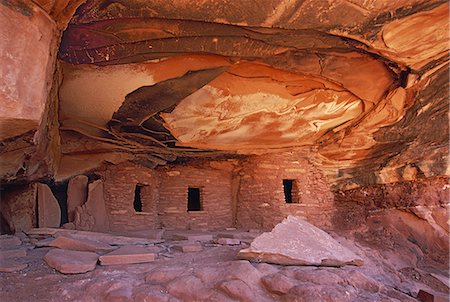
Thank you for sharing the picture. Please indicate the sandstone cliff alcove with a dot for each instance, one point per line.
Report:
(218, 116)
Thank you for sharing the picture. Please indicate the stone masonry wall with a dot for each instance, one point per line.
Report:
(119, 189)
(261, 202)
(247, 194)
(215, 188)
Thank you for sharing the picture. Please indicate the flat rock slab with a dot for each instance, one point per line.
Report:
(42, 231)
(127, 255)
(238, 235)
(44, 242)
(107, 238)
(11, 266)
(13, 253)
(9, 242)
(193, 237)
(71, 262)
(428, 296)
(148, 234)
(188, 247)
(95, 236)
(74, 244)
(297, 242)
(228, 241)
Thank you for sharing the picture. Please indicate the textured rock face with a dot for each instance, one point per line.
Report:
(49, 212)
(296, 242)
(76, 194)
(91, 215)
(18, 209)
(344, 78)
(23, 88)
(242, 77)
(27, 55)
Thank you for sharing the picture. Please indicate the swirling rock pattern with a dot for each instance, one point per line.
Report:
(351, 80)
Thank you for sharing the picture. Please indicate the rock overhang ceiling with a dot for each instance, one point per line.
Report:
(282, 87)
(171, 79)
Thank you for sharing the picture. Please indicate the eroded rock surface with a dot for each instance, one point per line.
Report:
(342, 78)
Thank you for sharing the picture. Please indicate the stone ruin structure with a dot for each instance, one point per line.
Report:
(203, 116)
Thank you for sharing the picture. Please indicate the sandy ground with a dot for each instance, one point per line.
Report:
(215, 274)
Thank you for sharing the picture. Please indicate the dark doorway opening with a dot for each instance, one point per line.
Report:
(137, 204)
(194, 203)
(59, 190)
(288, 187)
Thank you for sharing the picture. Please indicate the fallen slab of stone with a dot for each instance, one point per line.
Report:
(228, 241)
(188, 247)
(9, 242)
(127, 255)
(156, 234)
(428, 296)
(13, 253)
(68, 243)
(192, 237)
(109, 239)
(297, 242)
(44, 242)
(443, 279)
(94, 236)
(11, 266)
(42, 231)
(76, 194)
(49, 211)
(238, 235)
(71, 262)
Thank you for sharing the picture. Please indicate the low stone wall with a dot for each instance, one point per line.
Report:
(261, 200)
(215, 197)
(354, 206)
(119, 192)
(247, 193)
(18, 209)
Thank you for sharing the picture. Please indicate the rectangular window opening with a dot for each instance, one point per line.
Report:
(137, 204)
(289, 188)
(194, 203)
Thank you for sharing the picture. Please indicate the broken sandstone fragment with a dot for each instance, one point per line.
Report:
(193, 237)
(95, 206)
(49, 212)
(228, 241)
(74, 244)
(8, 242)
(76, 194)
(102, 237)
(13, 253)
(297, 242)
(11, 266)
(188, 247)
(71, 262)
(127, 255)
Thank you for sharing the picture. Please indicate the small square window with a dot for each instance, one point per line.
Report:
(290, 191)
(194, 203)
(137, 204)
